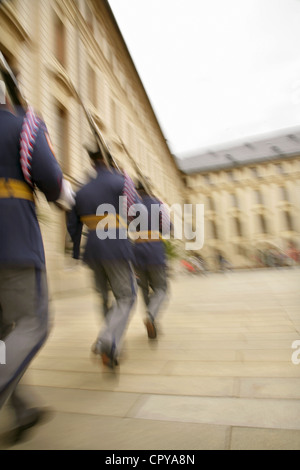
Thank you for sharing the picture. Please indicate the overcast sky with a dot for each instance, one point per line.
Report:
(215, 71)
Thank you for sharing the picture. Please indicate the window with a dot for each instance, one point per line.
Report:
(238, 227)
(283, 194)
(89, 17)
(288, 221)
(231, 176)
(92, 91)
(254, 172)
(62, 138)
(113, 109)
(210, 203)
(262, 225)
(258, 197)
(107, 51)
(213, 229)
(279, 168)
(129, 134)
(60, 40)
(234, 200)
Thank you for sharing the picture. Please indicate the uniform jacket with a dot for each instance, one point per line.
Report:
(150, 252)
(20, 237)
(106, 188)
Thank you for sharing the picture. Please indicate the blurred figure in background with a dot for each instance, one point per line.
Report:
(188, 266)
(108, 251)
(224, 264)
(150, 260)
(293, 254)
(27, 163)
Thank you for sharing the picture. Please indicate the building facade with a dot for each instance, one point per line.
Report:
(251, 195)
(61, 47)
(250, 192)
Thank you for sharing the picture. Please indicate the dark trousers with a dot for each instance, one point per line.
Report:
(119, 275)
(24, 324)
(153, 283)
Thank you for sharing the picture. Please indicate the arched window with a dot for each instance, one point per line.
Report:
(238, 227)
(213, 230)
(288, 221)
(283, 194)
(262, 224)
(258, 197)
(210, 203)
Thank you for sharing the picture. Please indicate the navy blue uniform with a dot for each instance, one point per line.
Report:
(20, 237)
(106, 188)
(150, 250)
(150, 261)
(108, 251)
(23, 285)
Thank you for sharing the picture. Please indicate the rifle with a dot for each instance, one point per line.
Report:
(107, 156)
(18, 99)
(11, 83)
(138, 170)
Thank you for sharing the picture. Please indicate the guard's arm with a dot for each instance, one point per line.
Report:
(165, 224)
(74, 226)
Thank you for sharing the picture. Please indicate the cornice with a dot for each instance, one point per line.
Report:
(210, 215)
(239, 240)
(214, 243)
(263, 238)
(234, 212)
(285, 206)
(260, 209)
(288, 233)
(60, 75)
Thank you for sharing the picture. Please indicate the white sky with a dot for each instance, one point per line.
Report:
(215, 71)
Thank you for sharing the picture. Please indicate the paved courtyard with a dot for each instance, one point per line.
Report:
(220, 376)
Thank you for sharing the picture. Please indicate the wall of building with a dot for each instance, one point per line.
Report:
(59, 45)
(248, 209)
(62, 45)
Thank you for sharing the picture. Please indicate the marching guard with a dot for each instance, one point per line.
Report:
(150, 258)
(108, 251)
(27, 164)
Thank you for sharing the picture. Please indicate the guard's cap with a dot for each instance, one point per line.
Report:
(142, 184)
(93, 150)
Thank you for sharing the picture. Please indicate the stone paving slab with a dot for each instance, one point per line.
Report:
(252, 412)
(75, 431)
(264, 439)
(286, 388)
(219, 377)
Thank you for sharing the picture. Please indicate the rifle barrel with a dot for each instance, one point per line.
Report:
(11, 84)
(139, 171)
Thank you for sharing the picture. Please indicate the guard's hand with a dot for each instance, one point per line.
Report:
(66, 198)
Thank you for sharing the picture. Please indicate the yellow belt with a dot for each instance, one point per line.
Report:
(11, 188)
(147, 236)
(115, 221)
(112, 221)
